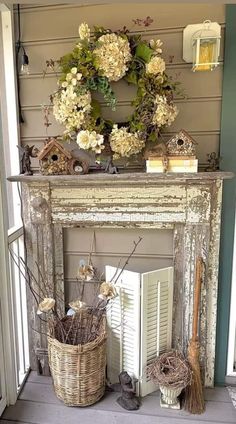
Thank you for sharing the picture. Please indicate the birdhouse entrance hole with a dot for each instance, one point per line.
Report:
(54, 158)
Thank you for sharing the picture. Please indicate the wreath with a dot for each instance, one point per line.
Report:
(94, 65)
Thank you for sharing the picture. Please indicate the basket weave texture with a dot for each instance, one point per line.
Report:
(78, 372)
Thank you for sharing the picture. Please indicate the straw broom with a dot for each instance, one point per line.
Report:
(194, 400)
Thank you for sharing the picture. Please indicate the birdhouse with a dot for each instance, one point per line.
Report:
(181, 144)
(54, 159)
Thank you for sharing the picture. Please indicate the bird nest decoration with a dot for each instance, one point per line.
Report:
(170, 370)
(96, 63)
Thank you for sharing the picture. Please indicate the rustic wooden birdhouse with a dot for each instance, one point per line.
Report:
(54, 159)
(181, 144)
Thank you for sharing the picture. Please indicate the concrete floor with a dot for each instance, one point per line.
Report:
(37, 404)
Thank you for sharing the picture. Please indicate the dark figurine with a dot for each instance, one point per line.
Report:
(110, 168)
(26, 153)
(213, 162)
(127, 400)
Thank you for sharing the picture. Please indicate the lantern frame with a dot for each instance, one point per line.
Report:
(195, 36)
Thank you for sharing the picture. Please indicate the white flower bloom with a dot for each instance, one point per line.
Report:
(74, 71)
(112, 56)
(165, 112)
(64, 84)
(90, 141)
(155, 66)
(69, 77)
(74, 81)
(84, 32)
(46, 305)
(156, 45)
(124, 143)
(79, 76)
(71, 109)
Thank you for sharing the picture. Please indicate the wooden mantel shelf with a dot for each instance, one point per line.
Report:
(134, 178)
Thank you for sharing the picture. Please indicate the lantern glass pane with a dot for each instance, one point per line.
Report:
(206, 57)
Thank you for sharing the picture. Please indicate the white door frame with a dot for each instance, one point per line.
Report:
(9, 138)
(8, 360)
(8, 337)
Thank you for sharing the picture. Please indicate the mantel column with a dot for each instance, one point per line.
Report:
(44, 256)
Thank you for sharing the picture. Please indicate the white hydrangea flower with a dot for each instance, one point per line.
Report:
(84, 32)
(125, 144)
(112, 56)
(165, 113)
(71, 109)
(90, 141)
(155, 66)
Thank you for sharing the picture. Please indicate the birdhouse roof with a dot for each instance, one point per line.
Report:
(180, 134)
(49, 146)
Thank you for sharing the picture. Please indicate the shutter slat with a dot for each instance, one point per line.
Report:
(126, 307)
(156, 320)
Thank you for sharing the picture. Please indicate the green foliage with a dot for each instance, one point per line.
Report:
(132, 77)
(102, 85)
(96, 109)
(99, 31)
(144, 52)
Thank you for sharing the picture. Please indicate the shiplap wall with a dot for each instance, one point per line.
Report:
(111, 246)
(51, 31)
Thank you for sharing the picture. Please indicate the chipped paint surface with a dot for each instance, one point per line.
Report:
(190, 206)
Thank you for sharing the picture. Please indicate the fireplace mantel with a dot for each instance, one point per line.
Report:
(190, 204)
(139, 177)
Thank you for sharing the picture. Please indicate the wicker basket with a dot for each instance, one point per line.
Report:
(78, 372)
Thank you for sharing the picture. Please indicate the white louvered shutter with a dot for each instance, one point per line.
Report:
(123, 316)
(156, 320)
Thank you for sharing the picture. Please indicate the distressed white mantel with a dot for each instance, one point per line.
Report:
(190, 204)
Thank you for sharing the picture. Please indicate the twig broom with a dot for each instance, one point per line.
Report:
(194, 400)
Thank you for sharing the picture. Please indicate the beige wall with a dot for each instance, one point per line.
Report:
(111, 246)
(49, 32)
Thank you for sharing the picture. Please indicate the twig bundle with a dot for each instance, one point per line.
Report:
(78, 329)
(84, 325)
(194, 401)
(171, 370)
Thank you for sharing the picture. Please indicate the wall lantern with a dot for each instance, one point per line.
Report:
(201, 45)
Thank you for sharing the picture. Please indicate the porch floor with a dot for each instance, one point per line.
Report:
(37, 404)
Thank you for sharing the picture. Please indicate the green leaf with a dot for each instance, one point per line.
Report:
(96, 109)
(152, 137)
(143, 52)
(131, 77)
